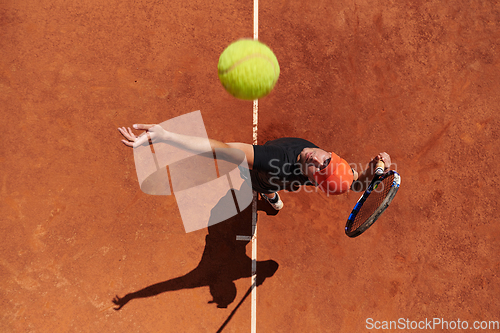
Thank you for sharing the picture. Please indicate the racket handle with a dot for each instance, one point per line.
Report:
(379, 168)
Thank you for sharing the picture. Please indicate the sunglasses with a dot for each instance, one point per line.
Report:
(325, 164)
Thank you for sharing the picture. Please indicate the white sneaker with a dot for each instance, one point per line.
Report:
(276, 205)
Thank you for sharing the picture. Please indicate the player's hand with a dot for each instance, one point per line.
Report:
(120, 302)
(385, 158)
(364, 179)
(129, 136)
(154, 132)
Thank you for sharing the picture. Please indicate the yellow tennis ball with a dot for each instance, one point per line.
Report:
(248, 69)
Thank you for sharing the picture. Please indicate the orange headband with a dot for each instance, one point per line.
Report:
(336, 178)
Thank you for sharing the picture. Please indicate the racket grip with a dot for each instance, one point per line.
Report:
(379, 168)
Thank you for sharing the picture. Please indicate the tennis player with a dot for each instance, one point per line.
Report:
(282, 164)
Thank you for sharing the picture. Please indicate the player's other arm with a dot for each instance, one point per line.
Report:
(364, 179)
(196, 145)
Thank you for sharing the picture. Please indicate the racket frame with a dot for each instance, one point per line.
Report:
(381, 208)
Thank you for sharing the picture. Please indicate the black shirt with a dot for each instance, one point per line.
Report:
(275, 165)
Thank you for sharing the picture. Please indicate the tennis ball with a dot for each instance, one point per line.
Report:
(248, 69)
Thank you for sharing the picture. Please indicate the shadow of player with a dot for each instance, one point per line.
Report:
(224, 260)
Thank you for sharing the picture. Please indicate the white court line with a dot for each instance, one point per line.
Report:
(254, 203)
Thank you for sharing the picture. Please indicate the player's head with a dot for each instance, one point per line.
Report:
(331, 173)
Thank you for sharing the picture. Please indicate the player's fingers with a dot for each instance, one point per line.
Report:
(386, 159)
(382, 156)
(155, 128)
(128, 143)
(130, 133)
(143, 126)
(129, 136)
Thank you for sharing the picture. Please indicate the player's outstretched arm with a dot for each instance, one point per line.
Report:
(367, 175)
(193, 144)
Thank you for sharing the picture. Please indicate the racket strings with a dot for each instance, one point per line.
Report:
(373, 202)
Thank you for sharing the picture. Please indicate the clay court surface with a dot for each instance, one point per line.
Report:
(420, 80)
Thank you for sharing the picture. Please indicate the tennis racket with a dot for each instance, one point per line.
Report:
(374, 201)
